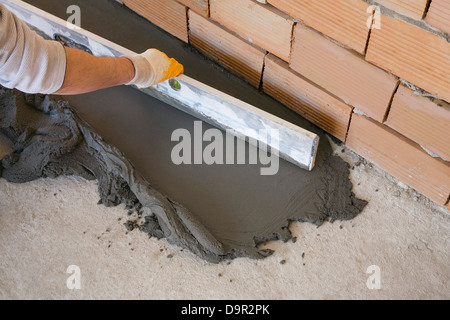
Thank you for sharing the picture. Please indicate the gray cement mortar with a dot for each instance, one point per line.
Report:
(121, 137)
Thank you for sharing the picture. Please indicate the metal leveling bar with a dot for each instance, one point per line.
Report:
(241, 119)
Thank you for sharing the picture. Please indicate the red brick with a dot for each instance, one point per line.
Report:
(418, 56)
(199, 6)
(439, 15)
(342, 72)
(342, 20)
(411, 8)
(306, 98)
(166, 14)
(227, 48)
(260, 24)
(422, 121)
(400, 157)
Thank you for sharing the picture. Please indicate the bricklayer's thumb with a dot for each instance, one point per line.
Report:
(153, 67)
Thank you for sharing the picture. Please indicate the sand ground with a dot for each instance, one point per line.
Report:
(48, 225)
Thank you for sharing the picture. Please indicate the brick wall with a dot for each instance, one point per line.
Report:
(374, 74)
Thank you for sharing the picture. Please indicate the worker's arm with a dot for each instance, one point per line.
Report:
(86, 73)
(35, 65)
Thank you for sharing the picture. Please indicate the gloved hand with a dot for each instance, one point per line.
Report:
(153, 67)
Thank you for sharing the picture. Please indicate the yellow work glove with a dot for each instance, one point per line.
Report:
(153, 67)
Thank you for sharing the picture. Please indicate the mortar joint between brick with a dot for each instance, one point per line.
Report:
(419, 91)
(292, 40)
(208, 14)
(388, 110)
(427, 8)
(188, 29)
(370, 32)
(260, 87)
(348, 126)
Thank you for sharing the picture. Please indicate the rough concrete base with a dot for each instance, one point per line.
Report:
(48, 225)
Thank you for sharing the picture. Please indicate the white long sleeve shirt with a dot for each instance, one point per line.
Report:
(28, 62)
